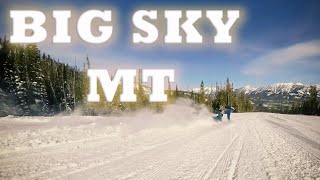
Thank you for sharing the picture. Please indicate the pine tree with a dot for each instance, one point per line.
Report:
(169, 93)
(226, 96)
(310, 105)
(142, 99)
(36, 92)
(7, 77)
(49, 79)
(38, 85)
(192, 95)
(176, 92)
(228, 92)
(201, 98)
(21, 92)
(9, 71)
(86, 66)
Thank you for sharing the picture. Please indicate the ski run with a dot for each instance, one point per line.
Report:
(183, 142)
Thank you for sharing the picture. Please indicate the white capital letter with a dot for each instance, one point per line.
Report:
(61, 18)
(20, 27)
(223, 30)
(84, 26)
(173, 31)
(173, 18)
(109, 86)
(149, 28)
(157, 76)
(193, 35)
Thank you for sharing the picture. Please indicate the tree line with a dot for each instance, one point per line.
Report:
(310, 106)
(220, 98)
(34, 83)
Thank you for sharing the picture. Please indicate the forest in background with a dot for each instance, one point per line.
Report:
(34, 83)
(222, 97)
(310, 106)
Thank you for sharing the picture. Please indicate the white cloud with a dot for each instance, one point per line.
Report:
(280, 59)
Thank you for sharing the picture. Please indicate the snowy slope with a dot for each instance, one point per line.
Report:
(182, 143)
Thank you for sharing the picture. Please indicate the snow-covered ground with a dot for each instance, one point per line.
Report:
(184, 142)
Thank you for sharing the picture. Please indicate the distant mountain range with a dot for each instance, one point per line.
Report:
(280, 94)
(293, 89)
(207, 90)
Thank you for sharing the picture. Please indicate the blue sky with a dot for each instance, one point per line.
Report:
(278, 41)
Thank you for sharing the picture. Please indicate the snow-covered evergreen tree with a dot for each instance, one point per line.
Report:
(202, 97)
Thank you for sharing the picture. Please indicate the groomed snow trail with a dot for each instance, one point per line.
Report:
(251, 146)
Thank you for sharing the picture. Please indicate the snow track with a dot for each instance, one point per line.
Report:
(251, 146)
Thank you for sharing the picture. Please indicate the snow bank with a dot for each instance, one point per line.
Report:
(20, 133)
(183, 113)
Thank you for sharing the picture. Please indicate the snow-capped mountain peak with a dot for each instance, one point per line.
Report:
(207, 90)
(277, 88)
(246, 89)
(279, 93)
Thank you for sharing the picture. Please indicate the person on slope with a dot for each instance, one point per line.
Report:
(216, 107)
(219, 113)
(228, 111)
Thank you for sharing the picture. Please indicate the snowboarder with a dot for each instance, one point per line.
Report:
(216, 107)
(228, 111)
(219, 114)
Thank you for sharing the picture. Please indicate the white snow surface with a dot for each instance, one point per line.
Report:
(183, 142)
